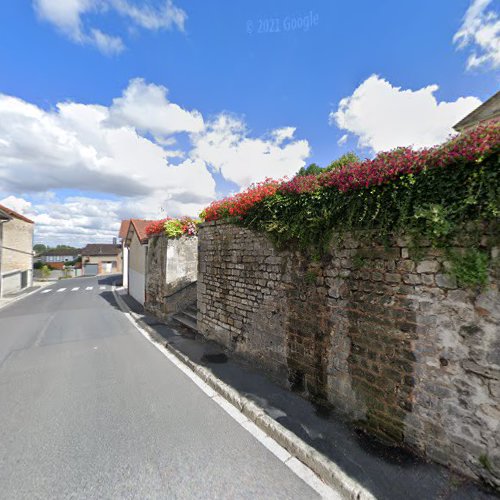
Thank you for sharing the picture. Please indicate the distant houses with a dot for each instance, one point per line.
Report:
(101, 258)
(16, 251)
(56, 257)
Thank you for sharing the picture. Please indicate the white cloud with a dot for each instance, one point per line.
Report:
(19, 205)
(75, 147)
(481, 30)
(343, 140)
(165, 17)
(68, 17)
(385, 117)
(107, 44)
(92, 148)
(65, 15)
(226, 147)
(146, 107)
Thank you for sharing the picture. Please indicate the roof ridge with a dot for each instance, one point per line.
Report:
(15, 214)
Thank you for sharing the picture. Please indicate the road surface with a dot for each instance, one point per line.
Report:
(90, 409)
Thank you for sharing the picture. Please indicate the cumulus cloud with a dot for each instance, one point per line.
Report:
(384, 116)
(226, 146)
(19, 205)
(121, 165)
(68, 16)
(481, 31)
(146, 107)
(75, 146)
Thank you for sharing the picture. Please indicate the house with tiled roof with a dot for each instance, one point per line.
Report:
(135, 251)
(101, 258)
(16, 251)
(59, 255)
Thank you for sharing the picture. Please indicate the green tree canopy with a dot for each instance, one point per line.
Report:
(345, 159)
(311, 169)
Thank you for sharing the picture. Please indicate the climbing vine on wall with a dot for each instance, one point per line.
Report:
(428, 193)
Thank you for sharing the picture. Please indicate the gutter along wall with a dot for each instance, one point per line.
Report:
(389, 340)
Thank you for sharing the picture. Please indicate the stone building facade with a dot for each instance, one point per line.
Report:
(171, 274)
(389, 340)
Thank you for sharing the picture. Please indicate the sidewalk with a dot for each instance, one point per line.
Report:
(13, 297)
(387, 473)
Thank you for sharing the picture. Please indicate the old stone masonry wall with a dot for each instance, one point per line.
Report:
(388, 340)
(171, 274)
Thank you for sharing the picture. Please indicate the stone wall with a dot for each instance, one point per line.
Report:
(171, 274)
(387, 339)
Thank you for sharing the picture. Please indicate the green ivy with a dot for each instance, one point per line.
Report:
(470, 268)
(435, 204)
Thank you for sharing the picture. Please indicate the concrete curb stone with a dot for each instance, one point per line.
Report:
(327, 470)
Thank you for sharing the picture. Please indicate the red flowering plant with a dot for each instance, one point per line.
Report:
(173, 228)
(238, 205)
(430, 192)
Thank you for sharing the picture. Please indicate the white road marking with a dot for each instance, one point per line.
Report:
(46, 291)
(61, 289)
(103, 288)
(89, 288)
(43, 331)
(301, 470)
(75, 289)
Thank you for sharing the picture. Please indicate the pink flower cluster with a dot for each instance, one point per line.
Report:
(388, 166)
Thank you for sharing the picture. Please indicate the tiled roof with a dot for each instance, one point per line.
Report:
(95, 249)
(140, 226)
(124, 229)
(62, 252)
(10, 212)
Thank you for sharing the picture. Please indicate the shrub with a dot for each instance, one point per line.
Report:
(173, 228)
(45, 271)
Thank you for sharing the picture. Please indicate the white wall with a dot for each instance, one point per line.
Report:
(136, 285)
(125, 251)
(11, 281)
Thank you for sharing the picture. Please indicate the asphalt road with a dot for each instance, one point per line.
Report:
(90, 409)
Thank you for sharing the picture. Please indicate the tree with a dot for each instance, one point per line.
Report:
(344, 160)
(40, 248)
(65, 247)
(311, 169)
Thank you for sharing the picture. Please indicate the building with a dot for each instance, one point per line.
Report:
(59, 256)
(101, 258)
(16, 251)
(488, 111)
(135, 248)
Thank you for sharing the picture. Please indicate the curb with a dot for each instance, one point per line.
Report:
(322, 466)
(23, 296)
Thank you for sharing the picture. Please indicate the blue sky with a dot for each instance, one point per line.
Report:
(206, 88)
